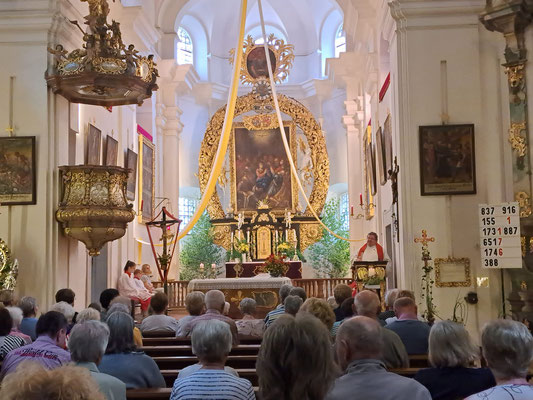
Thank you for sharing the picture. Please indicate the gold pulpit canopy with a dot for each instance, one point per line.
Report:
(258, 166)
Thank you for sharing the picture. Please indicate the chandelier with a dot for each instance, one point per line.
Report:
(104, 71)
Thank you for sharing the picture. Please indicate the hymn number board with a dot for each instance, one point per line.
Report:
(500, 236)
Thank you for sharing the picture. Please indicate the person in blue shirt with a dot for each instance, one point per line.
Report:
(29, 308)
(413, 332)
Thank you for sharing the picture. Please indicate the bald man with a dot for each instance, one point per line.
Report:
(359, 347)
(367, 304)
(214, 303)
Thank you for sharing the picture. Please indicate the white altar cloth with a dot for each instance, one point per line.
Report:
(258, 282)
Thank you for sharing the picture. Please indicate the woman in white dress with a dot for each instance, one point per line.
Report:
(127, 287)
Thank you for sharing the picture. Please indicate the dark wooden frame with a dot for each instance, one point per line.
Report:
(131, 164)
(423, 131)
(113, 143)
(381, 162)
(33, 168)
(93, 130)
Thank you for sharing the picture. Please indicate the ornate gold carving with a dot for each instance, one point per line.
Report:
(301, 116)
(94, 209)
(524, 202)
(222, 235)
(238, 268)
(438, 272)
(515, 75)
(264, 242)
(518, 142)
(283, 58)
(111, 66)
(309, 234)
(261, 121)
(523, 245)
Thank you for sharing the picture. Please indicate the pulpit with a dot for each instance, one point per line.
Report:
(371, 275)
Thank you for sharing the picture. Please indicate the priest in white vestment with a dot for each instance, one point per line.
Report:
(371, 251)
(127, 287)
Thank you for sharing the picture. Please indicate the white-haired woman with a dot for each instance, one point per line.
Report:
(195, 305)
(87, 344)
(452, 353)
(16, 316)
(508, 348)
(121, 360)
(67, 310)
(211, 342)
(88, 314)
(249, 325)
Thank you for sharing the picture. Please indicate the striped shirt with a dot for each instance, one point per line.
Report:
(274, 314)
(8, 343)
(212, 384)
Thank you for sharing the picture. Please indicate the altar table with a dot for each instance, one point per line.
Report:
(251, 269)
(264, 290)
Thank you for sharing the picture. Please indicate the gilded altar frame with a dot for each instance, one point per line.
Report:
(233, 174)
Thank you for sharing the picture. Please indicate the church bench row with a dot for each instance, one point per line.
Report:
(170, 375)
(186, 341)
(180, 362)
(185, 350)
(155, 394)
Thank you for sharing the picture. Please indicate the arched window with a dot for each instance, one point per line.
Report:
(340, 41)
(184, 54)
(344, 210)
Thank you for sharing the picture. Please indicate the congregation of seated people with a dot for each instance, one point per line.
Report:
(306, 348)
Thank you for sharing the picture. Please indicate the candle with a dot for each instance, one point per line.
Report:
(213, 266)
(202, 267)
(248, 236)
(351, 211)
(276, 236)
(286, 235)
(361, 199)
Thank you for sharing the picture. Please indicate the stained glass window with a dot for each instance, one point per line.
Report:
(185, 53)
(340, 41)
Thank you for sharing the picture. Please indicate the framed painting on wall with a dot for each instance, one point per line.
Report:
(94, 140)
(387, 142)
(260, 170)
(367, 173)
(447, 159)
(17, 170)
(146, 178)
(111, 151)
(452, 272)
(380, 157)
(131, 165)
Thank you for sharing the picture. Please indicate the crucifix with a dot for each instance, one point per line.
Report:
(427, 281)
(163, 261)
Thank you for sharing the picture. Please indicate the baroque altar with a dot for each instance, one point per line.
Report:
(257, 208)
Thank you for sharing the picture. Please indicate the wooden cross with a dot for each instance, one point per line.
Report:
(424, 239)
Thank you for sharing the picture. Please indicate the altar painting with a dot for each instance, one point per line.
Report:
(260, 170)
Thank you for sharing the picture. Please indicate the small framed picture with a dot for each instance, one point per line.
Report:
(94, 142)
(447, 160)
(131, 165)
(452, 272)
(111, 151)
(17, 170)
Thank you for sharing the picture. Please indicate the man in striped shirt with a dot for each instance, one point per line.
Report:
(211, 342)
(280, 309)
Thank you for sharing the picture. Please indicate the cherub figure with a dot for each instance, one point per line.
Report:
(59, 55)
(130, 55)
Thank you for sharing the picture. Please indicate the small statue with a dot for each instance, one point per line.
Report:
(393, 176)
(59, 54)
(116, 39)
(130, 57)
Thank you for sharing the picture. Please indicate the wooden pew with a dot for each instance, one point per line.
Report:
(178, 341)
(184, 350)
(407, 372)
(418, 361)
(170, 375)
(180, 362)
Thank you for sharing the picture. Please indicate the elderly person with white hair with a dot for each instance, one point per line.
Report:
(214, 302)
(195, 306)
(451, 353)
(67, 310)
(29, 308)
(390, 297)
(87, 344)
(88, 314)
(211, 342)
(508, 348)
(284, 291)
(16, 316)
(123, 361)
(249, 325)
(292, 304)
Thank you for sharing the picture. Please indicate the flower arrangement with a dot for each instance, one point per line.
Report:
(275, 266)
(242, 246)
(285, 247)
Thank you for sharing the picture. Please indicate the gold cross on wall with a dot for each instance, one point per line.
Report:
(424, 239)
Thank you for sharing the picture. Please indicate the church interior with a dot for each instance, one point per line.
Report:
(363, 154)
